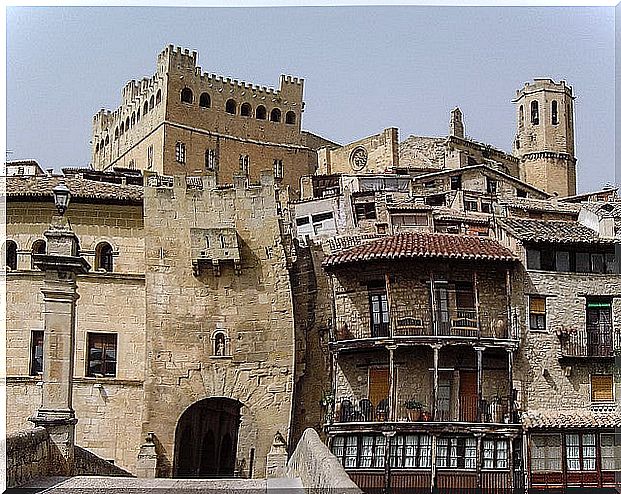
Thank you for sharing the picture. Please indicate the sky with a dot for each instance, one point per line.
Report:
(365, 68)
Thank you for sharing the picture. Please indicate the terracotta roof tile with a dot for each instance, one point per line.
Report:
(540, 205)
(554, 419)
(557, 231)
(423, 245)
(42, 186)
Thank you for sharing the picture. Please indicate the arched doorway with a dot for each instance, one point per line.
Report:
(206, 439)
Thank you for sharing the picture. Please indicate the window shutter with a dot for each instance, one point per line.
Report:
(601, 388)
(538, 305)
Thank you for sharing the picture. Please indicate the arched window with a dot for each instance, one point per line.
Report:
(186, 95)
(204, 101)
(133, 119)
(158, 97)
(261, 113)
(554, 112)
(38, 247)
(290, 118)
(103, 257)
(151, 103)
(122, 128)
(10, 255)
(97, 148)
(231, 107)
(127, 123)
(534, 112)
(245, 110)
(107, 140)
(521, 116)
(138, 115)
(116, 133)
(145, 110)
(275, 115)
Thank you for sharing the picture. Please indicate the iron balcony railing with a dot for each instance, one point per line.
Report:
(600, 342)
(462, 409)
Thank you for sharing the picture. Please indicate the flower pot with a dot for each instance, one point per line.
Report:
(413, 414)
(425, 416)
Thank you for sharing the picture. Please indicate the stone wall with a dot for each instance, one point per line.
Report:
(31, 455)
(250, 303)
(87, 463)
(318, 469)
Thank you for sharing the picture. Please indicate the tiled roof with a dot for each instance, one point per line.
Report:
(557, 231)
(444, 213)
(553, 419)
(41, 187)
(339, 243)
(423, 245)
(540, 205)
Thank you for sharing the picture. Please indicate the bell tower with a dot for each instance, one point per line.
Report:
(544, 140)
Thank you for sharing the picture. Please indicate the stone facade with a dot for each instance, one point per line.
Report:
(184, 121)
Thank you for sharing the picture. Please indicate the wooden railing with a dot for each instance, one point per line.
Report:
(405, 321)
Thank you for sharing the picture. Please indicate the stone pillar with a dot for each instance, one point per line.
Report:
(276, 465)
(60, 264)
(146, 467)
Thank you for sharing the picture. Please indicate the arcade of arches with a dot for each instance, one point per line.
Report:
(206, 439)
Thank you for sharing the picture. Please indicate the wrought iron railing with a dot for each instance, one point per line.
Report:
(601, 342)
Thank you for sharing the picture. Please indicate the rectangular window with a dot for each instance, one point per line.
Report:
(411, 451)
(580, 452)
(372, 451)
(582, 262)
(495, 454)
(36, 353)
(486, 207)
(610, 449)
(597, 263)
(599, 327)
(548, 260)
(602, 388)
(533, 259)
(520, 193)
(492, 186)
(611, 263)
(562, 261)
(101, 357)
(304, 220)
(278, 169)
(471, 206)
(180, 152)
(537, 312)
(150, 157)
(545, 453)
(365, 211)
(210, 159)
(456, 452)
(410, 220)
(456, 182)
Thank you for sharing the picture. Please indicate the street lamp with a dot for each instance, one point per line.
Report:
(62, 195)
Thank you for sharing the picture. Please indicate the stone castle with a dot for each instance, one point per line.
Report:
(445, 314)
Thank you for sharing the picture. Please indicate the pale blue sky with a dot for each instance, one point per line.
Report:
(366, 68)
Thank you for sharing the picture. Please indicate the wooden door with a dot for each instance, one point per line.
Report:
(468, 396)
(378, 385)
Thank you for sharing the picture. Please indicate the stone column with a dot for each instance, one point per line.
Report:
(61, 264)
(146, 466)
(276, 465)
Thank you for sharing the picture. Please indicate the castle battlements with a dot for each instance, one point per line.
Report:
(544, 84)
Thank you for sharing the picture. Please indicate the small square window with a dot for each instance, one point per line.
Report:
(471, 206)
(101, 356)
(602, 388)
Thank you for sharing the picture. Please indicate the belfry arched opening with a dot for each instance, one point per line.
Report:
(206, 439)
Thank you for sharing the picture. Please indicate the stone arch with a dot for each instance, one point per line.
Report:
(151, 102)
(245, 110)
(231, 106)
(261, 113)
(104, 257)
(290, 118)
(38, 247)
(145, 109)
(9, 254)
(206, 438)
(158, 97)
(275, 115)
(187, 96)
(205, 100)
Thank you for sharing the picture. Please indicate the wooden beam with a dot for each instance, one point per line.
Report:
(436, 357)
(479, 351)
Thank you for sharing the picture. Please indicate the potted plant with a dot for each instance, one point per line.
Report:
(425, 416)
(564, 332)
(414, 409)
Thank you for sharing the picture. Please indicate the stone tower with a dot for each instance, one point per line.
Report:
(544, 140)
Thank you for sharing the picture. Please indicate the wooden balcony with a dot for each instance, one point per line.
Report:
(419, 322)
